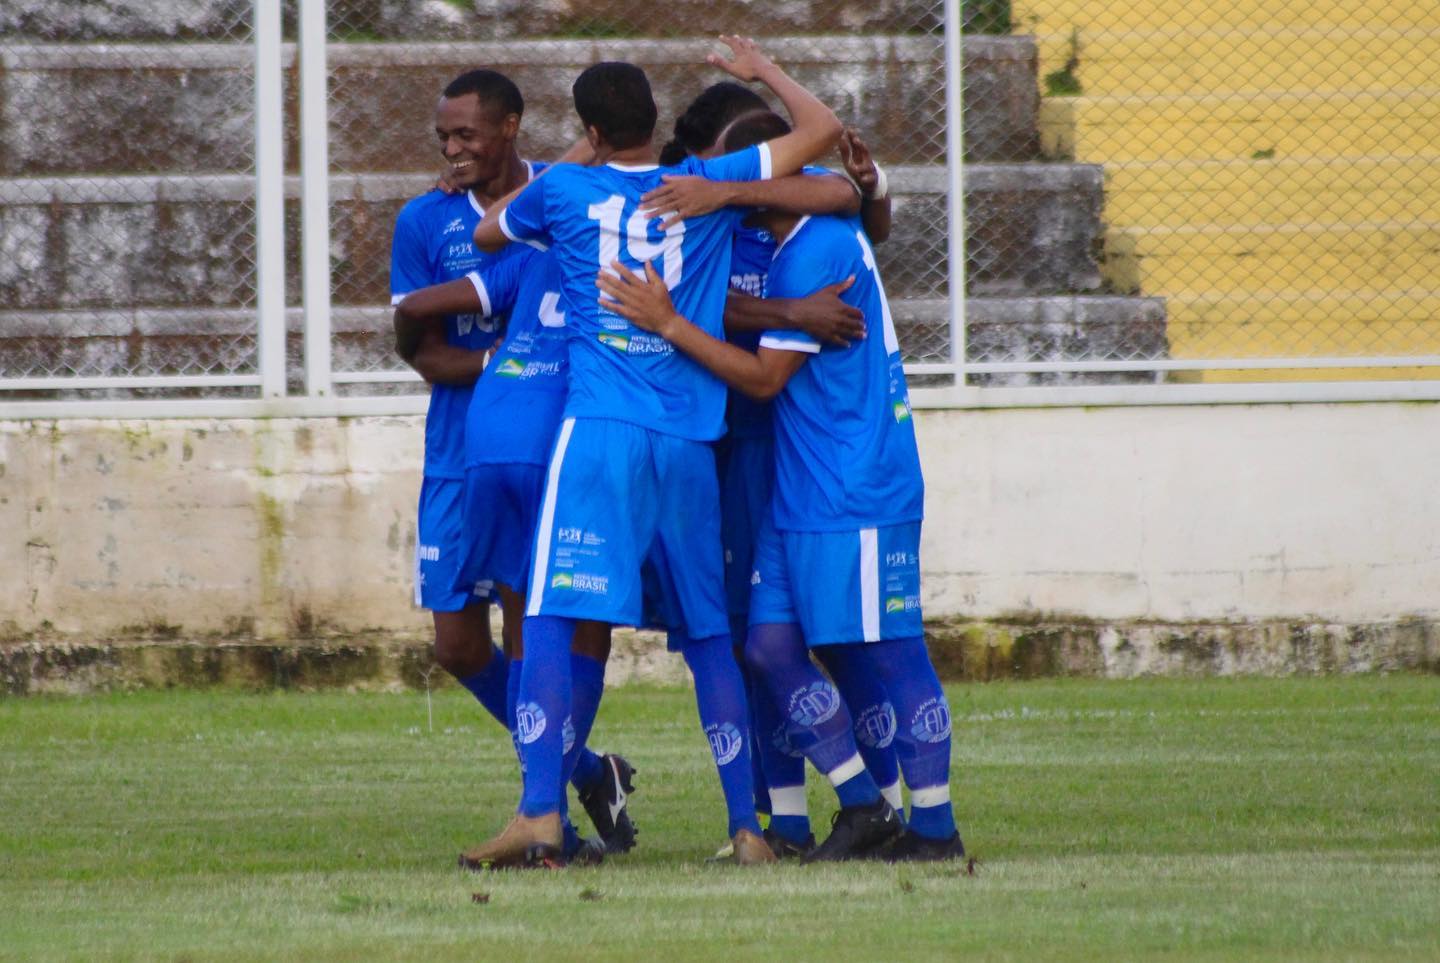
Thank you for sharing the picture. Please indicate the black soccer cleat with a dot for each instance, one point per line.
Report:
(914, 848)
(787, 849)
(605, 801)
(858, 832)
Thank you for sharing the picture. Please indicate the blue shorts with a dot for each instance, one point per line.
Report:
(616, 495)
(745, 486)
(440, 547)
(856, 586)
(501, 506)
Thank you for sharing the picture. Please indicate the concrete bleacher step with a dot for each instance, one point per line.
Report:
(1135, 127)
(153, 108)
(1282, 190)
(169, 241)
(1060, 328)
(1125, 60)
(1271, 259)
(1056, 16)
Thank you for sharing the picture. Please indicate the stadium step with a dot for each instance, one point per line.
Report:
(1057, 16)
(1135, 127)
(1119, 60)
(157, 108)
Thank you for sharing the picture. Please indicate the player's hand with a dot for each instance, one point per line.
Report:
(644, 302)
(682, 196)
(858, 162)
(828, 319)
(446, 184)
(749, 62)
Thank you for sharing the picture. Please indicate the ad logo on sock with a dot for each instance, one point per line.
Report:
(780, 739)
(725, 742)
(529, 722)
(931, 722)
(815, 704)
(875, 727)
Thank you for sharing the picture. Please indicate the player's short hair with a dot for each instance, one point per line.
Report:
(707, 115)
(754, 128)
(615, 99)
(491, 87)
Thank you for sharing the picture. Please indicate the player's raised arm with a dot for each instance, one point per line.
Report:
(646, 303)
(682, 196)
(816, 128)
(420, 332)
(873, 185)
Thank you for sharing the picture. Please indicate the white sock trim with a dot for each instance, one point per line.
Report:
(930, 796)
(847, 770)
(788, 801)
(893, 795)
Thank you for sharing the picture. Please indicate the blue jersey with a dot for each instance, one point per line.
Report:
(589, 217)
(518, 401)
(433, 243)
(845, 454)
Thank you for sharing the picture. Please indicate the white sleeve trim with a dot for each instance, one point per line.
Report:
(505, 229)
(397, 298)
(765, 166)
(784, 344)
(479, 285)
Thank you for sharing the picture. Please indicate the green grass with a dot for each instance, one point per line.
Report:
(1290, 819)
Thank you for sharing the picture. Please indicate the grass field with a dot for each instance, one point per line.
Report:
(1294, 818)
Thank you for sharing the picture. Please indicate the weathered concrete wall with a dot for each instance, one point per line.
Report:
(1319, 516)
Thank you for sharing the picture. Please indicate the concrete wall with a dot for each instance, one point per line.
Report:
(1308, 514)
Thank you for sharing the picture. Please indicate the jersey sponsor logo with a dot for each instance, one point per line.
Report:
(902, 603)
(529, 722)
(876, 726)
(570, 536)
(465, 323)
(901, 558)
(725, 742)
(931, 722)
(510, 368)
(459, 250)
(815, 704)
(617, 341)
(636, 344)
(525, 370)
(902, 410)
(751, 284)
(428, 553)
(582, 582)
(453, 227)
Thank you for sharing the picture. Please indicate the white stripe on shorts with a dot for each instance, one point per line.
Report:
(547, 520)
(870, 584)
(419, 602)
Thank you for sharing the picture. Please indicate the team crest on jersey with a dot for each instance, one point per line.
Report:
(725, 742)
(510, 368)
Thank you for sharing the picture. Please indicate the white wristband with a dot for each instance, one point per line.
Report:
(882, 184)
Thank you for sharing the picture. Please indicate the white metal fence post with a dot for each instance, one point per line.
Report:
(955, 168)
(269, 199)
(315, 193)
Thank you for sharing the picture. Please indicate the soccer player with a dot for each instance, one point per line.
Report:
(747, 457)
(632, 475)
(838, 563)
(476, 120)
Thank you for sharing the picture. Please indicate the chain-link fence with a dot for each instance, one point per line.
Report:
(127, 240)
(1222, 191)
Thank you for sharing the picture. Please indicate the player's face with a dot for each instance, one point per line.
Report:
(475, 138)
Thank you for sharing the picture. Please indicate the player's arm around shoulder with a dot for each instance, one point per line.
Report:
(646, 303)
(419, 324)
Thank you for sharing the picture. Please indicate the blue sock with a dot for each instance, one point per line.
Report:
(542, 711)
(512, 696)
(757, 738)
(488, 685)
(783, 765)
(720, 697)
(922, 733)
(587, 682)
(816, 718)
(856, 676)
